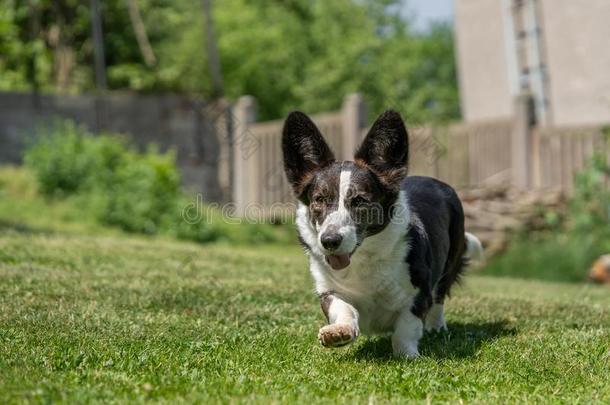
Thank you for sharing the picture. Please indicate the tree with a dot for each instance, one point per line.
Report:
(289, 54)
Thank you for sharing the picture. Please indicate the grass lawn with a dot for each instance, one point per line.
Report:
(121, 318)
(91, 314)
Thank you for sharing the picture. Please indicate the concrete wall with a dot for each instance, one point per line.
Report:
(485, 88)
(576, 39)
(577, 35)
(171, 122)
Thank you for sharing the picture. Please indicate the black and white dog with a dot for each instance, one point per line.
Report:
(384, 249)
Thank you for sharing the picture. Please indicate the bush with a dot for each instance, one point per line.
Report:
(131, 190)
(590, 204)
(207, 223)
(143, 192)
(554, 256)
(63, 160)
(565, 252)
(137, 192)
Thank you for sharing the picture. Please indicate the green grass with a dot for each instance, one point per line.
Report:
(122, 318)
(91, 314)
(21, 205)
(563, 256)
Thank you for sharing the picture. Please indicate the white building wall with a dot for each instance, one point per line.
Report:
(483, 64)
(577, 35)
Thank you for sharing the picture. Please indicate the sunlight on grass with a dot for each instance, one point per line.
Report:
(115, 318)
(92, 314)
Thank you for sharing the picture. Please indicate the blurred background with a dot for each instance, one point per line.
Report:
(161, 117)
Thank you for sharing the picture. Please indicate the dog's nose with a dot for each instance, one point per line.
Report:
(331, 241)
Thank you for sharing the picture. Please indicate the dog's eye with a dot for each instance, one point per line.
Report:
(358, 201)
(319, 199)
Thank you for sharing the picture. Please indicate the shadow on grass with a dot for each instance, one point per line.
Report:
(463, 340)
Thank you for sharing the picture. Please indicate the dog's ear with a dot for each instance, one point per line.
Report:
(304, 148)
(385, 149)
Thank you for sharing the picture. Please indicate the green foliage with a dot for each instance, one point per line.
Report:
(590, 205)
(210, 225)
(553, 255)
(104, 177)
(143, 192)
(135, 191)
(288, 54)
(13, 72)
(310, 54)
(566, 249)
(63, 159)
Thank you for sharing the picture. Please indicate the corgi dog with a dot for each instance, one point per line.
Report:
(384, 248)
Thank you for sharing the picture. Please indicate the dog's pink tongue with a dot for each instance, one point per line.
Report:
(338, 262)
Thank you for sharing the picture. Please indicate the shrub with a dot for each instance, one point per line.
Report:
(109, 152)
(137, 192)
(208, 224)
(565, 252)
(131, 190)
(143, 192)
(590, 204)
(555, 256)
(62, 159)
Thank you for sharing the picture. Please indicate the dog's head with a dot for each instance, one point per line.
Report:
(347, 201)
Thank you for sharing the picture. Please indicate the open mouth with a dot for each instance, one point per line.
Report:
(339, 262)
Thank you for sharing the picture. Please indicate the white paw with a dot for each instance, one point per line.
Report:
(405, 350)
(436, 326)
(435, 320)
(407, 333)
(337, 334)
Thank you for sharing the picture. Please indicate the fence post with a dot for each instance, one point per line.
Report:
(521, 142)
(353, 114)
(245, 112)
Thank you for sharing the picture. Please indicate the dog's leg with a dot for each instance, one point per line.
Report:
(407, 332)
(343, 322)
(435, 319)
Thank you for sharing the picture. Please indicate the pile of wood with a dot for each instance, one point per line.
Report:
(497, 213)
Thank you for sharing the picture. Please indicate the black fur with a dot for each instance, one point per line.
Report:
(326, 298)
(304, 149)
(419, 259)
(436, 237)
(385, 149)
(437, 240)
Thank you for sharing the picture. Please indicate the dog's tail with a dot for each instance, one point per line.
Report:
(474, 248)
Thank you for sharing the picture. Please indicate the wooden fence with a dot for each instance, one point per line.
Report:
(259, 184)
(559, 153)
(511, 151)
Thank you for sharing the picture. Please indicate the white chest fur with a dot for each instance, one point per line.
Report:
(377, 282)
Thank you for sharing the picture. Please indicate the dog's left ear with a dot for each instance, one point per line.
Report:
(304, 149)
(385, 149)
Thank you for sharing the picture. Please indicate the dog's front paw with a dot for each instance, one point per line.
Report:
(435, 320)
(337, 334)
(406, 350)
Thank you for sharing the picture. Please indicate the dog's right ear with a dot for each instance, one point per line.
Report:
(385, 149)
(305, 150)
